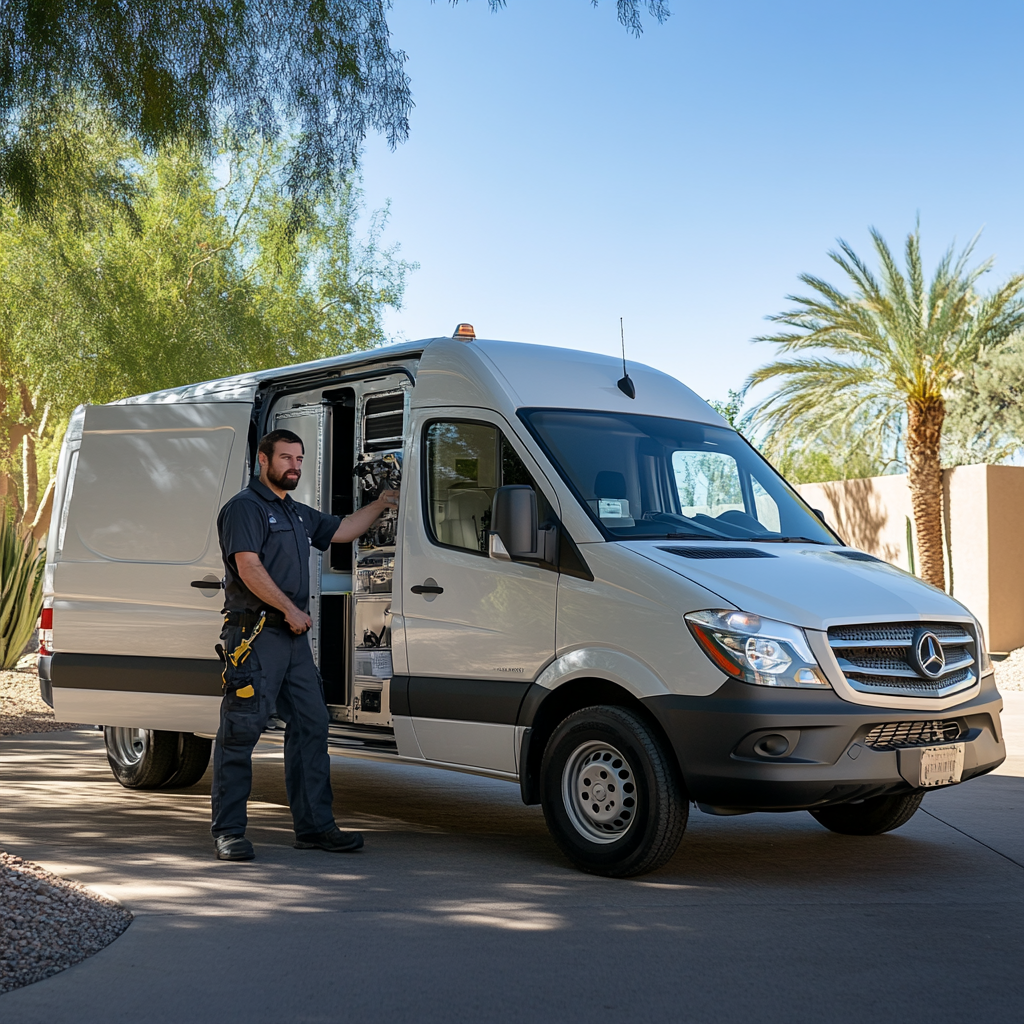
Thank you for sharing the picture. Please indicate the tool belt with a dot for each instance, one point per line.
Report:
(236, 657)
(271, 617)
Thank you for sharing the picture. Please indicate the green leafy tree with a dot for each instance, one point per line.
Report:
(885, 356)
(207, 281)
(165, 71)
(731, 410)
(986, 413)
(834, 455)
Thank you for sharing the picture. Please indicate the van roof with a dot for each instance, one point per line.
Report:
(527, 375)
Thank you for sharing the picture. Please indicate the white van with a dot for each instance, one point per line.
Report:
(593, 587)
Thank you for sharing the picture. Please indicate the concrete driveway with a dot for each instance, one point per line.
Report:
(461, 909)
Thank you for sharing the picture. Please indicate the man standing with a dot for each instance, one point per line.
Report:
(265, 539)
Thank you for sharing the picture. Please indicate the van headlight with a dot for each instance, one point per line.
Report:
(984, 660)
(756, 650)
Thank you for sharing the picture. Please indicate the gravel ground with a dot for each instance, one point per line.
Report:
(21, 707)
(46, 923)
(1010, 672)
(49, 923)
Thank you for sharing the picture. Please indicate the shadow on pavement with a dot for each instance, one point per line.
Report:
(461, 908)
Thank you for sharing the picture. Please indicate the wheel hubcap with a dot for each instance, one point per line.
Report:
(599, 792)
(129, 745)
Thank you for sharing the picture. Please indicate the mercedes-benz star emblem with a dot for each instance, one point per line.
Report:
(927, 655)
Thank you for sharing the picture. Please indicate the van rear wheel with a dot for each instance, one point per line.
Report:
(871, 817)
(191, 761)
(612, 796)
(140, 758)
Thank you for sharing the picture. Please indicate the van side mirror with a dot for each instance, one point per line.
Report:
(819, 514)
(515, 535)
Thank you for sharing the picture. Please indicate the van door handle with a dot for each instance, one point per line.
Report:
(207, 584)
(428, 586)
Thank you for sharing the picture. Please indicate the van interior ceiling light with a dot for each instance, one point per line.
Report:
(464, 332)
(756, 650)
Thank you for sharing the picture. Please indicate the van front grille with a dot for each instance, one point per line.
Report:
(894, 735)
(913, 659)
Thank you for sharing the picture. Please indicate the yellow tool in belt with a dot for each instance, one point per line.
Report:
(238, 655)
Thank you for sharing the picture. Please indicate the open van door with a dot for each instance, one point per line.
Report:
(138, 563)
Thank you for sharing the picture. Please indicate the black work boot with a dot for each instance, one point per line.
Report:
(234, 848)
(333, 840)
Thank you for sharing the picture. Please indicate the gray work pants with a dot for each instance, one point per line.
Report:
(281, 672)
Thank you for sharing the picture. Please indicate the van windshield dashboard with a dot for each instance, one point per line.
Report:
(655, 478)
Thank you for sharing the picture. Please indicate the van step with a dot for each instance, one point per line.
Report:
(363, 737)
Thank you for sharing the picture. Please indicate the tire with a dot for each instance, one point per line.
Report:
(641, 809)
(140, 758)
(191, 761)
(870, 818)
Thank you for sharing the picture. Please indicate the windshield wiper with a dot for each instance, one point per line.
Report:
(689, 536)
(787, 540)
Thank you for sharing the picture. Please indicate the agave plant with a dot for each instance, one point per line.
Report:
(21, 590)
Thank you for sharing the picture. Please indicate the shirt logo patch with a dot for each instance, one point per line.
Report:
(272, 519)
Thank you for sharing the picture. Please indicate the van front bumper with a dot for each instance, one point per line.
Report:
(716, 740)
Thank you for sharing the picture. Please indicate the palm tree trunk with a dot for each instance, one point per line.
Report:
(924, 434)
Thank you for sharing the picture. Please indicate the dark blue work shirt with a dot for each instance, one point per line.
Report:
(281, 533)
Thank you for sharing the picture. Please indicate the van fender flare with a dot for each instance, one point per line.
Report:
(596, 663)
(625, 670)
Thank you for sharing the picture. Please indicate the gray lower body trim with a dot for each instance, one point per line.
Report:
(485, 745)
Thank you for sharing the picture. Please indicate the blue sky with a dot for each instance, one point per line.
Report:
(561, 174)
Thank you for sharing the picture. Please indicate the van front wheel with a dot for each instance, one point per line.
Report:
(611, 793)
(140, 758)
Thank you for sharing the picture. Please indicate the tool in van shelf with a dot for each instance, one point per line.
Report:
(376, 473)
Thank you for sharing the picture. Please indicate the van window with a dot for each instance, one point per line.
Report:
(708, 483)
(654, 478)
(69, 488)
(767, 507)
(466, 463)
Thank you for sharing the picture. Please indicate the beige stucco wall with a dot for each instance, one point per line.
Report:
(984, 528)
(1006, 556)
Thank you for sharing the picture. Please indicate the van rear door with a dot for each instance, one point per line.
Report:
(141, 529)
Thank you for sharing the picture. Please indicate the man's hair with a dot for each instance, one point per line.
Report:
(270, 440)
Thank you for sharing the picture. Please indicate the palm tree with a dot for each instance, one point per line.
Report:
(884, 358)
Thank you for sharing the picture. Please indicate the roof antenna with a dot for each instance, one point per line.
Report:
(626, 384)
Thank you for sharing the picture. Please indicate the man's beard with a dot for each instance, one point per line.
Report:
(285, 481)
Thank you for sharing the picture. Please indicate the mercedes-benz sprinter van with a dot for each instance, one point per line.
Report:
(593, 587)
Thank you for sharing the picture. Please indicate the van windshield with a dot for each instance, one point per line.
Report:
(654, 478)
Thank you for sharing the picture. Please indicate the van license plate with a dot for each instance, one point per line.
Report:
(942, 766)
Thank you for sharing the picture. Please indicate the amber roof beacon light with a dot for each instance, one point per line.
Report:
(464, 332)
